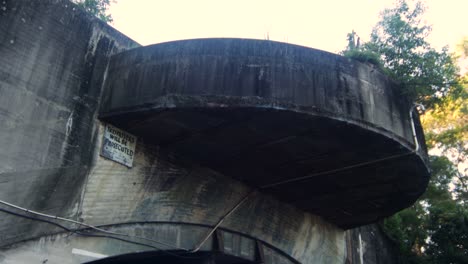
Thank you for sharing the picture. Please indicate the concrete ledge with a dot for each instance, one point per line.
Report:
(266, 112)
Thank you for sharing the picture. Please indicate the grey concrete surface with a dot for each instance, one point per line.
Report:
(54, 60)
(66, 249)
(265, 112)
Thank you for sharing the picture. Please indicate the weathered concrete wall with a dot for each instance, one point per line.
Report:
(368, 244)
(263, 74)
(52, 62)
(277, 117)
(159, 190)
(53, 59)
(63, 248)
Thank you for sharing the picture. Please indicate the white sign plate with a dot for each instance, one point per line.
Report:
(118, 145)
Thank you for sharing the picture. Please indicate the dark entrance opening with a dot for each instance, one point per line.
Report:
(173, 257)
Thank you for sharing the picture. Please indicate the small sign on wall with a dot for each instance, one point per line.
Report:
(118, 145)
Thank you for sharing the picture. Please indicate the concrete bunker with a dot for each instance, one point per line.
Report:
(329, 135)
(326, 143)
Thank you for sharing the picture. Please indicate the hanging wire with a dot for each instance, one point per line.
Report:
(77, 232)
(87, 225)
(232, 210)
(221, 220)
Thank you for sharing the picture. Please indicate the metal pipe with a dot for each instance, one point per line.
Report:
(361, 253)
(238, 204)
(413, 127)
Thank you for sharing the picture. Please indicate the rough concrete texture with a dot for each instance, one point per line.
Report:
(375, 245)
(263, 73)
(158, 190)
(65, 249)
(265, 112)
(52, 62)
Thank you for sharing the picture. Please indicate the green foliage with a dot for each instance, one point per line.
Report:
(446, 218)
(448, 228)
(364, 56)
(446, 127)
(407, 227)
(435, 228)
(399, 42)
(449, 239)
(97, 8)
(355, 51)
(438, 188)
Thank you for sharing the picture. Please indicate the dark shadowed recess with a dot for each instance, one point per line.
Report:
(173, 257)
(314, 129)
(261, 147)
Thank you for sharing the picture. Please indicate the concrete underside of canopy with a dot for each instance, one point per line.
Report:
(214, 121)
(305, 160)
(172, 202)
(316, 130)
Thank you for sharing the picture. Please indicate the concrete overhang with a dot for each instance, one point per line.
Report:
(327, 134)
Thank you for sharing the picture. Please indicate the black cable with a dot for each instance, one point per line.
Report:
(307, 177)
(37, 219)
(86, 225)
(93, 235)
(138, 243)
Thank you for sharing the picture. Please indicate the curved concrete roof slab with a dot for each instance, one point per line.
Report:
(330, 135)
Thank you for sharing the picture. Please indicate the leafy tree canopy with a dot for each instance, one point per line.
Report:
(398, 45)
(435, 228)
(97, 8)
